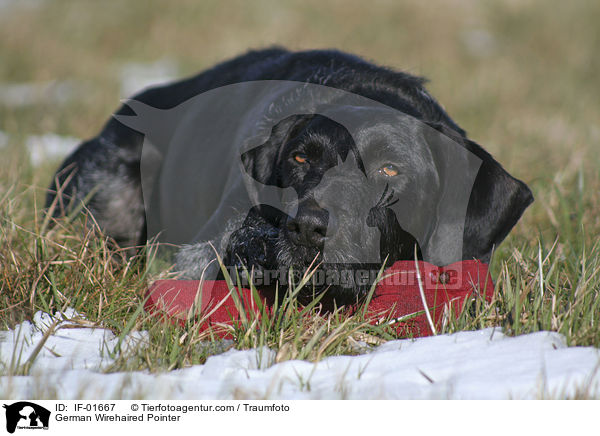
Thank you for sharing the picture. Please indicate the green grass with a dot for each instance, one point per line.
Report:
(531, 98)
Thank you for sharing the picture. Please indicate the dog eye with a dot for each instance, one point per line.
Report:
(300, 158)
(388, 170)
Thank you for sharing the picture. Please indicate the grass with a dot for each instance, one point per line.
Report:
(530, 96)
(73, 265)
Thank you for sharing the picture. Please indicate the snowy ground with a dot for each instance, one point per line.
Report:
(470, 365)
(43, 148)
(133, 77)
(49, 147)
(32, 93)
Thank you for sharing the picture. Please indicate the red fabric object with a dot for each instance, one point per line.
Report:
(397, 296)
(180, 300)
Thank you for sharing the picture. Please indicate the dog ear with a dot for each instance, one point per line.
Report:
(261, 161)
(496, 203)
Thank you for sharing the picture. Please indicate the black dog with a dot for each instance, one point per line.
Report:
(374, 184)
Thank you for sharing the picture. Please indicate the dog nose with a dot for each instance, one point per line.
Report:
(309, 228)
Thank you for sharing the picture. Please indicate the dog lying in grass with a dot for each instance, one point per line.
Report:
(366, 175)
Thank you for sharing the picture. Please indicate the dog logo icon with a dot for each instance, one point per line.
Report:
(26, 415)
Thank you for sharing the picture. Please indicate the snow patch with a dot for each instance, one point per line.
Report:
(31, 93)
(137, 76)
(483, 364)
(74, 344)
(49, 146)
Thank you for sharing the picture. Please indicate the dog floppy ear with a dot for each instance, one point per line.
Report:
(260, 162)
(496, 203)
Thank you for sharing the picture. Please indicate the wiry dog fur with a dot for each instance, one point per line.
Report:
(109, 165)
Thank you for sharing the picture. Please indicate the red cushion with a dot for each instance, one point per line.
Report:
(397, 295)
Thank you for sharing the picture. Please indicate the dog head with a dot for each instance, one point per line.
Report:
(392, 189)
(354, 184)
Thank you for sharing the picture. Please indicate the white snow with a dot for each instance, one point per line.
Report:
(46, 147)
(136, 76)
(49, 147)
(481, 364)
(31, 93)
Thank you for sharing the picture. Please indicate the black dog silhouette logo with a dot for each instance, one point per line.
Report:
(26, 415)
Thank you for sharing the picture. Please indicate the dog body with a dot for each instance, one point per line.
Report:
(364, 191)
